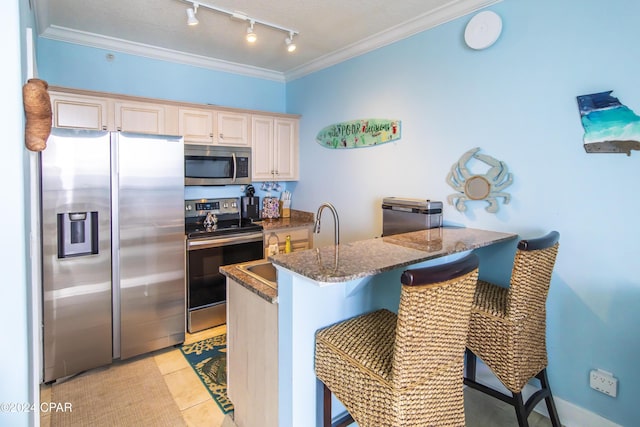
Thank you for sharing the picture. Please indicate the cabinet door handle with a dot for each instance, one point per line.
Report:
(104, 128)
(211, 135)
(221, 136)
(119, 129)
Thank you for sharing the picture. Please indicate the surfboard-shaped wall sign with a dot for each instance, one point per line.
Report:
(359, 133)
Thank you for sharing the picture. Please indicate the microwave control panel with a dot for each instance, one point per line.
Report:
(243, 167)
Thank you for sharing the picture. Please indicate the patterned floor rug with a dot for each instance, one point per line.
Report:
(208, 358)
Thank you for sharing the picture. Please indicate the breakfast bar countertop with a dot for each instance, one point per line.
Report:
(363, 258)
(350, 261)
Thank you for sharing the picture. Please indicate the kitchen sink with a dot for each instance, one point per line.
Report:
(261, 270)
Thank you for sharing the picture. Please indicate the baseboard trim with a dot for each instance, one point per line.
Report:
(571, 415)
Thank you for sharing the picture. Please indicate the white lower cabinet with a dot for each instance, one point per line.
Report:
(252, 357)
(274, 148)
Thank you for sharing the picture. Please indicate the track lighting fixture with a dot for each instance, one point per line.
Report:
(291, 46)
(251, 36)
(191, 15)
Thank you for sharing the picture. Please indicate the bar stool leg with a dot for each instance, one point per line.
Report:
(326, 412)
(470, 364)
(551, 406)
(521, 412)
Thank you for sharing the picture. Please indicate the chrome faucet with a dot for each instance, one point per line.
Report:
(316, 228)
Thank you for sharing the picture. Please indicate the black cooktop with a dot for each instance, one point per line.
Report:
(196, 229)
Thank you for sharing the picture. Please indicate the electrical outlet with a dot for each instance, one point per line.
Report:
(604, 382)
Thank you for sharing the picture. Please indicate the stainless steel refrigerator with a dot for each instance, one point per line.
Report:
(113, 247)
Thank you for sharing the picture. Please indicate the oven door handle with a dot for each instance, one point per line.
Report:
(193, 245)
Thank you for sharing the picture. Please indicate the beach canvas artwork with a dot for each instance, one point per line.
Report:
(609, 126)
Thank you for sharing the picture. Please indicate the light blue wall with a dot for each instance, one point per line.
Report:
(82, 67)
(14, 321)
(72, 65)
(517, 101)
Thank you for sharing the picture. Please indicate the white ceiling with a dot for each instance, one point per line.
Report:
(330, 31)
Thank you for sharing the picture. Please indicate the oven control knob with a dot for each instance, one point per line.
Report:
(188, 207)
(234, 205)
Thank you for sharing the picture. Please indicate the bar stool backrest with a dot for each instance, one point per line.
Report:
(433, 319)
(531, 276)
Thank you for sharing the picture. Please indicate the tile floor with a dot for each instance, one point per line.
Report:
(199, 410)
(196, 404)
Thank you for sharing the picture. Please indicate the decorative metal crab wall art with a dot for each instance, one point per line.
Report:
(479, 187)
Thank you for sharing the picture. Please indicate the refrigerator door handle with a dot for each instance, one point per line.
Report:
(115, 244)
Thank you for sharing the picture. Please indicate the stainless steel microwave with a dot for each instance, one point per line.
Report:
(215, 165)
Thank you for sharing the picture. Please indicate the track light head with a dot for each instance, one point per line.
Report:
(291, 46)
(251, 36)
(191, 15)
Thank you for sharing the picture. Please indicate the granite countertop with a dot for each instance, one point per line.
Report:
(350, 261)
(259, 288)
(297, 219)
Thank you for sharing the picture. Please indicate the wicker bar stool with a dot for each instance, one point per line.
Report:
(507, 329)
(405, 369)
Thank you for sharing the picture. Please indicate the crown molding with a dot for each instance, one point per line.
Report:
(453, 10)
(140, 49)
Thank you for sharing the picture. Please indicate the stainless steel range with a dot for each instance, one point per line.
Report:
(216, 236)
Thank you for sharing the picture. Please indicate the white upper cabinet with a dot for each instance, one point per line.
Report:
(79, 112)
(140, 117)
(273, 138)
(274, 148)
(207, 126)
(195, 125)
(286, 149)
(232, 129)
(262, 148)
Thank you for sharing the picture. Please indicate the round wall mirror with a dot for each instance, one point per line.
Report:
(477, 188)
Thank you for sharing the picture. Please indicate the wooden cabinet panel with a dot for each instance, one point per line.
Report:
(252, 357)
(79, 112)
(232, 129)
(274, 148)
(196, 126)
(262, 148)
(139, 117)
(274, 139)
(285, 149)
